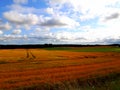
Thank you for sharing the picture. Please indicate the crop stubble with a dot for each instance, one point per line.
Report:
(37, 66)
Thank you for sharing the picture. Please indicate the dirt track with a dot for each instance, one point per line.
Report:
(30, 54)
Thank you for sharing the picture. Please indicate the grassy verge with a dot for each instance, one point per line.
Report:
(111, 82)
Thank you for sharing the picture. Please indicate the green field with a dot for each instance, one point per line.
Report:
(87, 49)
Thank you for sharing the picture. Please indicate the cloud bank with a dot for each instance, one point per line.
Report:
(60, 21)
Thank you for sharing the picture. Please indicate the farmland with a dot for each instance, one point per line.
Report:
(60, 68)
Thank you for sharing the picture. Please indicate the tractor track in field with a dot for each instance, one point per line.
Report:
(30, 55)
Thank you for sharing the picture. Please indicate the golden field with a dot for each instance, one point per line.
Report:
(20, 68)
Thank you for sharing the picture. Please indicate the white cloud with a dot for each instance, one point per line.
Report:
(20, 1)
(88, 9)
(65, 36)
(1, 32)
(60, 21)
(10, 38)
(112, 16)
(24, 9)
(38, 30)
(53, 23)
(78, 20)
(41, 29)
(84, 10)
(19, 18)
(112, 21)
(17, 31)
(50, 10)
(27, 27)
(5, 26)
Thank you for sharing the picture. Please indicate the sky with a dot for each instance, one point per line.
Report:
(60, 21)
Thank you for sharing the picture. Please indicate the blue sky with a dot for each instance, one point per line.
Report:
(59, 21)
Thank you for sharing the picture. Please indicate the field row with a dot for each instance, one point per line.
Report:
(32, 67)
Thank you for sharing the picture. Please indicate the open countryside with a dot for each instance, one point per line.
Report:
(59, 44)
(60, 68)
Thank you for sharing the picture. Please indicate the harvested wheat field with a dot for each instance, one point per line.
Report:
(79, 68)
